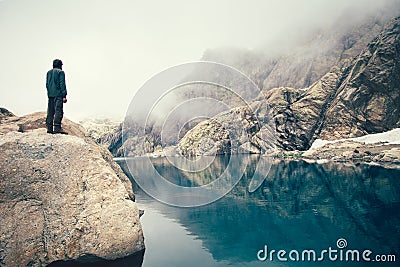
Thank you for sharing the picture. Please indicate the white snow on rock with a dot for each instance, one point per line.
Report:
(391, 137)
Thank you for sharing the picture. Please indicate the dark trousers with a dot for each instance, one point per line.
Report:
(54, 113)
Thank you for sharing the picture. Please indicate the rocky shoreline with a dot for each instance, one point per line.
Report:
(382, 149)
(380, 154)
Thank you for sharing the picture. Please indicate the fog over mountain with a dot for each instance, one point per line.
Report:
(303, 61)
(348, 88)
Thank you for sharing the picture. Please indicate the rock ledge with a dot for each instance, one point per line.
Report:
(61, 197)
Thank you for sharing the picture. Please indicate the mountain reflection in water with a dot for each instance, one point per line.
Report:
(298, 206)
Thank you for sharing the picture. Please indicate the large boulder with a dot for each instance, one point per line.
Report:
(62, 197)
(244, 129)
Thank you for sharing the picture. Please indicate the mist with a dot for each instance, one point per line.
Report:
(111, 48)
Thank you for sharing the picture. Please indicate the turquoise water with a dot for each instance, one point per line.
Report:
(299, 206)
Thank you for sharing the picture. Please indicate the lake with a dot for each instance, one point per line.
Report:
(299, 207)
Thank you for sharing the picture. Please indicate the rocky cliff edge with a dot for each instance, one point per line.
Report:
(61, 197)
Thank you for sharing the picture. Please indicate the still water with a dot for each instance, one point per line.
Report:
(299, 206)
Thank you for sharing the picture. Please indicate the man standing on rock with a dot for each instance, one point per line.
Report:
(57, 94)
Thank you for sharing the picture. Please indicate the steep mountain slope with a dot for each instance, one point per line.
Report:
(361, 96)
(368, 99)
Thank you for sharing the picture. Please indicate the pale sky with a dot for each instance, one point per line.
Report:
(110, 48)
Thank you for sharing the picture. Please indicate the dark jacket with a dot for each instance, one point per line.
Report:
(55, 83)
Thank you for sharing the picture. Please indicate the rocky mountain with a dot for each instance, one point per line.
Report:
(341, 82)
(62, 197)
(360, 96)
(98, 128)
(4, 113)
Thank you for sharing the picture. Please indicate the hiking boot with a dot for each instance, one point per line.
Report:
(59, 131)
(50, 130)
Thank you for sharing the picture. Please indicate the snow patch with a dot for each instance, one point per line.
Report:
(391, 137)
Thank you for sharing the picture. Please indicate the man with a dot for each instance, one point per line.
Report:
(57, 94)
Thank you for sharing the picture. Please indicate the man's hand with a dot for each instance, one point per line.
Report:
(65, 100)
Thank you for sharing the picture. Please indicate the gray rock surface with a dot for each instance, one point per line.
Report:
(62, 197)
(367, 99)
(239, 130)
(362, 96)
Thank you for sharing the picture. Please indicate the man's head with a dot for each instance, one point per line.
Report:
(57, 63)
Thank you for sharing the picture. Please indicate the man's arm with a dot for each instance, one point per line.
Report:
(63, 86)
(47, 79)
